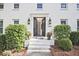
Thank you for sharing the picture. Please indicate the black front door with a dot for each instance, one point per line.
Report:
(39, 26)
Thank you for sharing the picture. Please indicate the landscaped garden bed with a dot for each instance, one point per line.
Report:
(66, 43)
(56, 51)
(23, 52)
(12, 42)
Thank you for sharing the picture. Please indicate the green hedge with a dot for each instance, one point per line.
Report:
(2, 42)
(74, 36)
(15, 36)
(62, 31)
(65, 44)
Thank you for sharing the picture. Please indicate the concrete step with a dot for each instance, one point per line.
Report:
(38, 51)
(32, 43)
(39, 54)
(39, 46)
(38, 40)
(41, 38)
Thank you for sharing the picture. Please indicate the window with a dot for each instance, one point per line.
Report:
(16, 5)
(63, 5)
(63, 21)
(1, 26)
(77, 24)
(78, 5)
(1, 5)
(39, 5)
(16, 21)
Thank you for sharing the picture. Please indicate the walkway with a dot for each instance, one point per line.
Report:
(39, 54)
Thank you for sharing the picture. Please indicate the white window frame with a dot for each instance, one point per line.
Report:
(16, 4)
(64, 5)
(39, 8)
(1, 27)
(15, 20)
(64, 20)
(2, 5)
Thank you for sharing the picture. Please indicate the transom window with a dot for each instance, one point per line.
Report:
(1, 5)
(16, 21)
(63, 5)
(39, 5)
(1, 26)
(16, 5)
(63, 21)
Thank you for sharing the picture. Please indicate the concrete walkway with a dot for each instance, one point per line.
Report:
(39, 47)
(39, 54)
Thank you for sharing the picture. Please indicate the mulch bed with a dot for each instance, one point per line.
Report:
(23, 52)
(56, 51)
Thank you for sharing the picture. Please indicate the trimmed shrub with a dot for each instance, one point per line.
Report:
(2, 42)
(15, 36)
(74, 36)
(65, 44)
(62, 31)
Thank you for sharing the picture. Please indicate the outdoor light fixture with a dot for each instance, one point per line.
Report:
(49, 21)
(28, 21)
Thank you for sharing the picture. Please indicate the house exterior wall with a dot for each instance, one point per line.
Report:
(49, 10)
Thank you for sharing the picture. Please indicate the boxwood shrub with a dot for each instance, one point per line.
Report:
(2, 42)
(15, 36)
(62, 31)
(74, 36)
(65, 44)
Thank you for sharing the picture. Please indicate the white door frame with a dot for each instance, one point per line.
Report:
(39, 15)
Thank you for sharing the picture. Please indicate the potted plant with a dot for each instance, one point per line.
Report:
(29, 34)
(49, 34)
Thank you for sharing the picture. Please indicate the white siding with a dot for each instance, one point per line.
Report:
(50, 10)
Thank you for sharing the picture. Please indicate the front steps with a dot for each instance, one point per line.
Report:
(39, 47)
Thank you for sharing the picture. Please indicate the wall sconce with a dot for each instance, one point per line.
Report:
(28, 21)
(49, 22)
